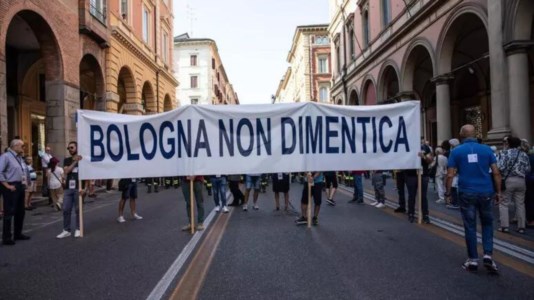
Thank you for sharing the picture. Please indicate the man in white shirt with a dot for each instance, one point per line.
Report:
(45, 160)
(441, 173)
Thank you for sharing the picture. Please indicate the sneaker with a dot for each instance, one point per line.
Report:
(63, 234)
(374, 203)
(186, 227)
(245, 207)
(256, 207)
(440, 201)
(121, 219)
(451, 206)
(470, 265)
(490, 265)
(380, 205)
(301, 221)
(137, 217)
(331, 202)
(200, 227)
(225, 209)
(426, 220)
(315, 221)
(411, 218)
(353, 200)
(77, 233)
(400, 210)
(58, 207)
(217, 208)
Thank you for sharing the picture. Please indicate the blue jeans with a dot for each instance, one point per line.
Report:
(70, 199)
(199, 198)
(219, 190)
(469, 205)
(358, 188)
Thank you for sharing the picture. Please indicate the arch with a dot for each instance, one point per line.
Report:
(409, 62)
(452, 30)
(519, 14)
(49, 47)
(167, 103)
(354, 99)
(92, 86)
(126, 88)
(148, 100)
(388, 81)
(369, 90)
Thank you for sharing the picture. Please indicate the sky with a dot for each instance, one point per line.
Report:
(253, 37)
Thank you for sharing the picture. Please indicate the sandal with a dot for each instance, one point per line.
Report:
(521, 230)
(504, 230)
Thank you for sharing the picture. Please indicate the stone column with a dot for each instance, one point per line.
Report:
(500, 121)
(443, 106)
(62, 101)
(519, 91)
(3, 106)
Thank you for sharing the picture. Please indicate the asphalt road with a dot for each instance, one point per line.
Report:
(356, 252)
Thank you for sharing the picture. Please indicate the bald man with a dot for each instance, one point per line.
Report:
(472, 161)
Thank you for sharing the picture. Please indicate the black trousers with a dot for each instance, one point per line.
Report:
(236, 192)
(411, 183)
(401, 183)
(13, 209)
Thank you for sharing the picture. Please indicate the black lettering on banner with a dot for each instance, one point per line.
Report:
(144, 127)
(182, 138)
(170, 141)
(97, 142)
(314, 139)
(113, 128)
(402, 137)
(286, 150)
(227, 136)
(385, 120)
(245, 123)
(129, 154)
(348, 136)
(331, 134)
(266, 139)
(202, 141)
(364, 121)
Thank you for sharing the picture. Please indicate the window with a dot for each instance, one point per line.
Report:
(365, 28)
(323, 64)
(194, 101)
(165, 47)
(146, 23)
(322, 40)
(98, 10)
(213, 63)
(194, 82)
(323, 94)
(193, 60)
(386, 12)
(124, 9)
(352, 42)
(338, 58)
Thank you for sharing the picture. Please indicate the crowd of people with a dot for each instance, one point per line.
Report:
(468, 176)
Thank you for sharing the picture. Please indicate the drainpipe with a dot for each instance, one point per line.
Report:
(157, 89)
(156, 56)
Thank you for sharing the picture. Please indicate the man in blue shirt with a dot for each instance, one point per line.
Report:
(472, 162)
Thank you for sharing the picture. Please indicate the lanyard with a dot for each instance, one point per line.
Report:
(20, 164)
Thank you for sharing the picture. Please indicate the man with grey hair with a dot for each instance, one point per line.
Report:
(441, 173)
(13, 178)
(472, 161)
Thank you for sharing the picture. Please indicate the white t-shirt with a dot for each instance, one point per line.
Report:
(53, 182)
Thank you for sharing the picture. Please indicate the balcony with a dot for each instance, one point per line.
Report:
(94, 21)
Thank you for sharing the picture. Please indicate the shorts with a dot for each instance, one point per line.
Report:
(331, 179)
(32, 188)
(281, 185)
(130, 192)
(316, 192)
(252, 181)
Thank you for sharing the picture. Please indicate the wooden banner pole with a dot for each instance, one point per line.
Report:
(80, 206)
(420, 198)
(192, 202)
(309, 201)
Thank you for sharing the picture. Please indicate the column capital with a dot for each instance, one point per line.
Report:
(442, 79)
(519, 46)
(405, 95)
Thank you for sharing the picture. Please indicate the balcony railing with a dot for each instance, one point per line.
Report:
(98, 12)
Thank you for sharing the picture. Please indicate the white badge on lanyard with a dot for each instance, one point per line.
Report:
(134, 180)
(72, 184)
(280, 176)
(75, 170)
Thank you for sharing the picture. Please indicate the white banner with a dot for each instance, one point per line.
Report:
(241, 139)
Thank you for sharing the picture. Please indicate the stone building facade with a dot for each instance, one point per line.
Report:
(467, 61)
(199, 68)
(62, 55)
(308, 76)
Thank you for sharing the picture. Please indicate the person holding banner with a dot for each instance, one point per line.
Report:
(316, 179)
(252, 181)
(357, 195)
(219, 189)
(411, 183)
(473, 161)
(233, 183)
(198, 182)
(71, 193)
(281, 185)
(331, 187)
(128, 187)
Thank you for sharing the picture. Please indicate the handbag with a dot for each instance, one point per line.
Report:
(60, 181)
(503, 181)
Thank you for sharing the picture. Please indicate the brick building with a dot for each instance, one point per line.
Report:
(308, 76)
(467, 61)
(58, 56)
